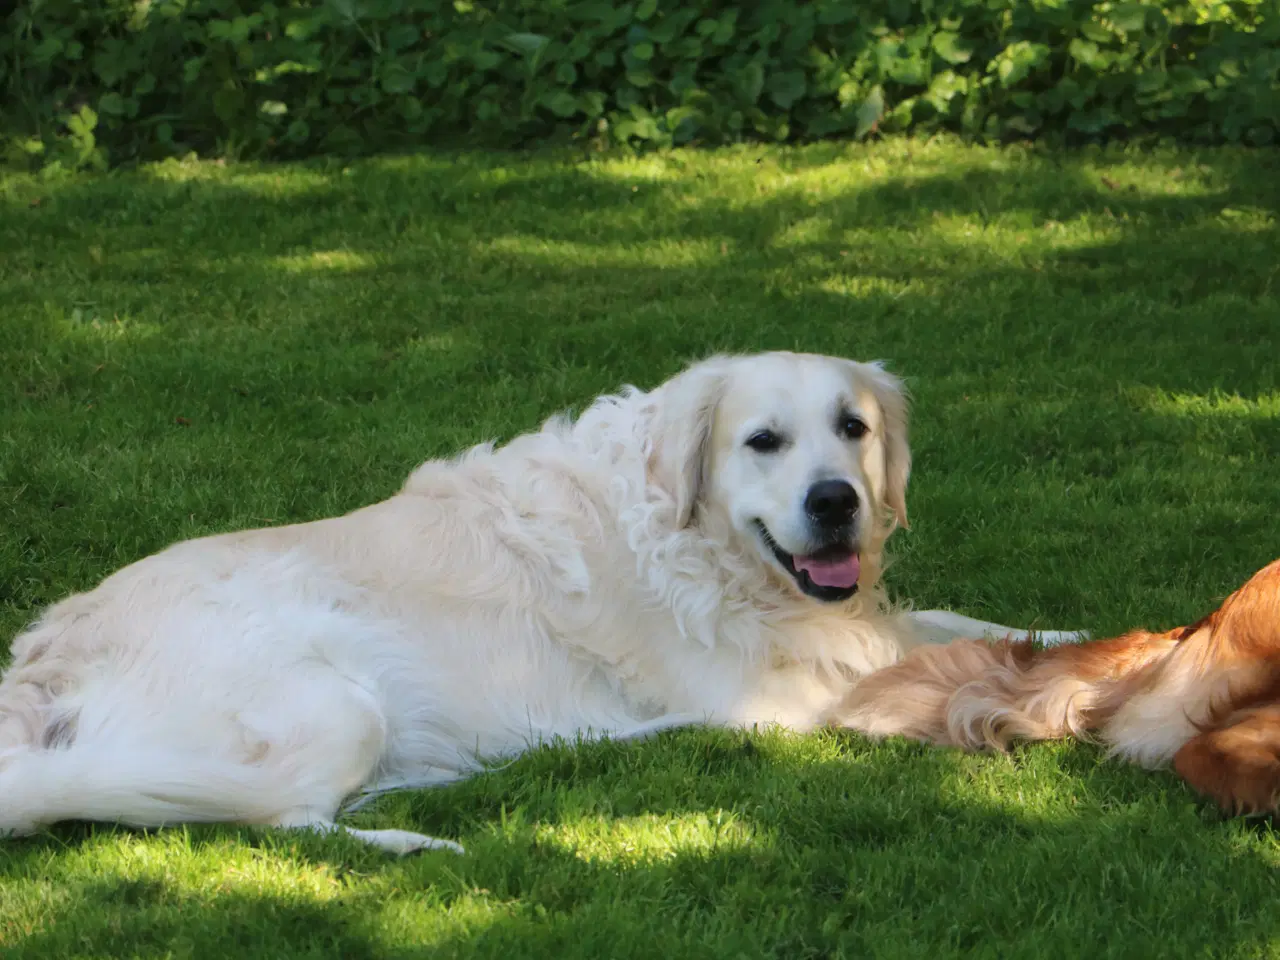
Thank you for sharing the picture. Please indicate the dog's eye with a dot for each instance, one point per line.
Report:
(764, 441)
(853, 427)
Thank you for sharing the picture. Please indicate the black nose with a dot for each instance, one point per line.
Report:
(831, 503)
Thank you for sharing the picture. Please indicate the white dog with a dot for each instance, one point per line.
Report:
(707, 552)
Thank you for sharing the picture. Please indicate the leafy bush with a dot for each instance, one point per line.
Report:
(87, 81)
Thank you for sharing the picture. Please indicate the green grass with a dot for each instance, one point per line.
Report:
(1092, 342)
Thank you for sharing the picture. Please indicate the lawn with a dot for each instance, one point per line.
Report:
(1093, 344)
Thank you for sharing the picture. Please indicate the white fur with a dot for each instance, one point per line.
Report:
(599, 577)
(955, 625)
(1176, 705)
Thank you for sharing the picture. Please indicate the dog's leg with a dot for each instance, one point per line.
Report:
(399, 842)
(293, 751)
(943, 626)
(1238, 764)
(337, 736)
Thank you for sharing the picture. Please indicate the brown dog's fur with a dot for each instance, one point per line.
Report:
(1205, 696)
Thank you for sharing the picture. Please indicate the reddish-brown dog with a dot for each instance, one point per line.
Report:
(1206, 696)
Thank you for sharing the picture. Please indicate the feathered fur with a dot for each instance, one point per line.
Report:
(604, 576)
(1205, 697)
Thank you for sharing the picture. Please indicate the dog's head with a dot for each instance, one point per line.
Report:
(802, 458)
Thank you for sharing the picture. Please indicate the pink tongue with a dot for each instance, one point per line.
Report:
(830, 573)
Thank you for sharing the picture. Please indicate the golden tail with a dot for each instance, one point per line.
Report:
(1206, 697)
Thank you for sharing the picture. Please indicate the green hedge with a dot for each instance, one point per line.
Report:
(97, 81)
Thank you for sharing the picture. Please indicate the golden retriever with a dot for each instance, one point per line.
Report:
(706, 552)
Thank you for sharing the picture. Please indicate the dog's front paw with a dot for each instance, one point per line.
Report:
(402, 842)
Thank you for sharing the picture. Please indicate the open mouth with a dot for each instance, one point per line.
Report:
(829, 574)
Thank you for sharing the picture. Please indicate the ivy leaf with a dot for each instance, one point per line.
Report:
(1128, 17)
(485, 59)
(869, 112)
(950, 47)
(944, 87)
(1093, 30)
(1017, 61)
(227, 102)
(1086, 52)
(83, 123)
(396, 79)
(526, 43)
(786, 88)
(833, 13)
(562, 103)
(750, 81)
(912, 70)
(111, 103)
(404, 35)
(344, 8)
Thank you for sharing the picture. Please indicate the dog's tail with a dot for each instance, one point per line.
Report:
(974, 694)
(136, 786)
(1144, 694)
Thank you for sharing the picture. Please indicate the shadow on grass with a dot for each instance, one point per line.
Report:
(177, 329)
(150, 918)
(189, 329)
(479, 260)
(891, 850)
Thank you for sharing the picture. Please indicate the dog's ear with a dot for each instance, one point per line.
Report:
(891, 396)
(680, 441)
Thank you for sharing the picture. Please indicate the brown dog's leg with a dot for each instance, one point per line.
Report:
(1238, 764)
